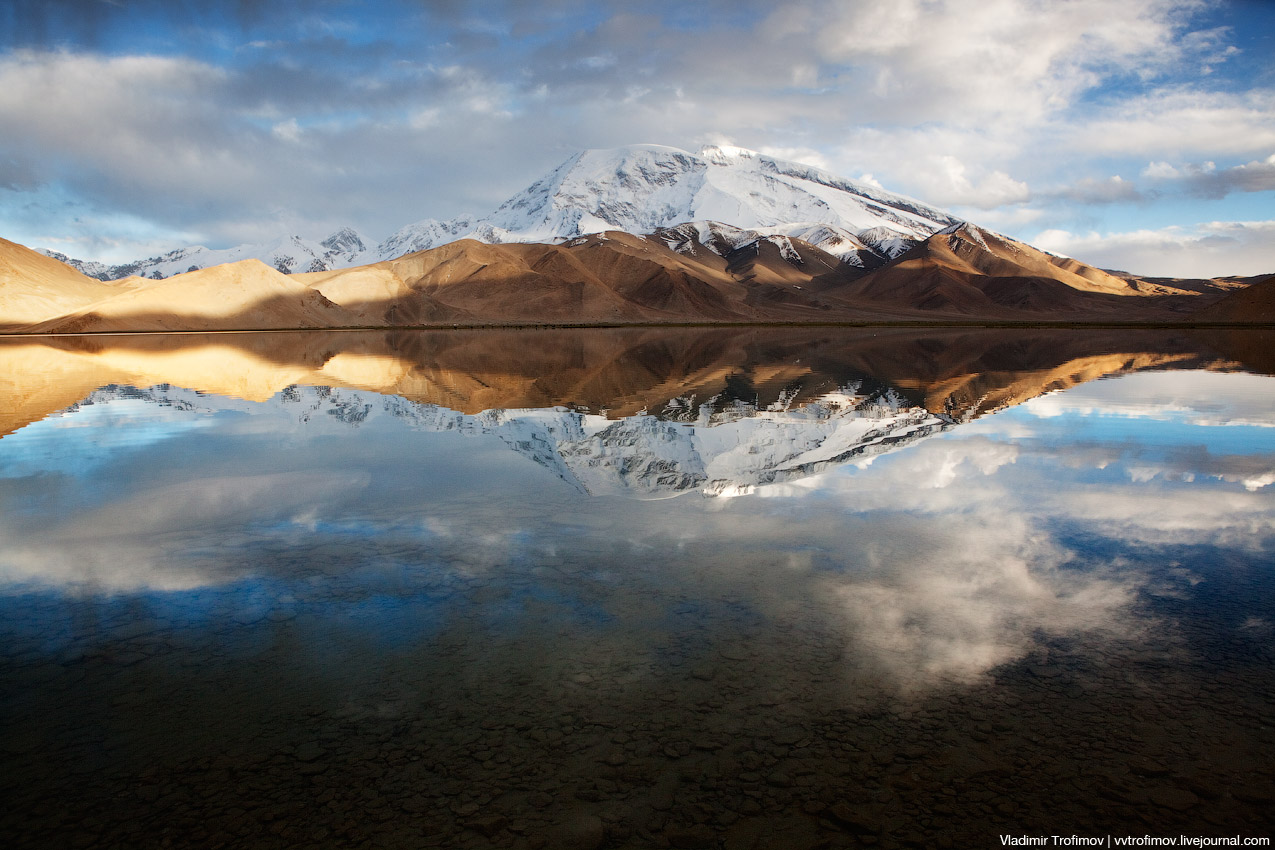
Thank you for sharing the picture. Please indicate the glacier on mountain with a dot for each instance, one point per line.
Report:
(639, 189)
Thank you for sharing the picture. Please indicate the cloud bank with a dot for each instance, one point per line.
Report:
(149, 125)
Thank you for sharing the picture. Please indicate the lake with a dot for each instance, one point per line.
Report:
(695, 588)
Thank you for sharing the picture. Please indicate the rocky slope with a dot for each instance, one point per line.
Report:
(965, 270)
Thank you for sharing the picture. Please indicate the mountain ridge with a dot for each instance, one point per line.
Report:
(695, 272)
(639, 234)
(638, 189)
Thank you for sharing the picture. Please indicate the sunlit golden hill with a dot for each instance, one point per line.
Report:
(35, 288)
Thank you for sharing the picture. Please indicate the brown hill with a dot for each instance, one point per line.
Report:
(35, 288)
(244, 295)
(968, 271)
(1253, 303)
(610, 277)
(963, 273)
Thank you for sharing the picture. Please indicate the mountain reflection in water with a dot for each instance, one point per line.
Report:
(428, 589)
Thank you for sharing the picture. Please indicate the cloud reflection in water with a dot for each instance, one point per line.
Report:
(933, 563)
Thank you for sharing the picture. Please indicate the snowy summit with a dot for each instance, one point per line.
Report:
(643, 188)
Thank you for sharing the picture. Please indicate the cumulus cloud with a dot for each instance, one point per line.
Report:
(303, 118)
(1168, 516)
(1205, 180)
(1176, 121)
(1205, 250)
(1113, 190)
(202, 148)
(951, 184)
(968, 61)
(950, 599)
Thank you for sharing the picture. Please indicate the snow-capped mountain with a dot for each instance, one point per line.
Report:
(643, 188)
(639, 189)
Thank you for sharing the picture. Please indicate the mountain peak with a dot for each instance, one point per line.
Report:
(642, 188)
(725, 154)
(345, 240)
(638, 189)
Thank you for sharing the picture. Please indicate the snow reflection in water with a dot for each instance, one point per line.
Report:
(464, 630)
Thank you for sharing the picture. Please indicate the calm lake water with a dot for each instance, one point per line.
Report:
(734, 588)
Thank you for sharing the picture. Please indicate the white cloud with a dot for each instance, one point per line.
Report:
(808, 156)
(956, 102)
(1208, 249)
(212, 153)
(143, 111)
(1176, 122)
(949, 183)
(1161, 171)
(971, 61)
(147, 540)
(950, 599)
(288, 131)
(597, 63)
(1015, 217)
(1113, 190)
(1168, 515)
(1204, 179)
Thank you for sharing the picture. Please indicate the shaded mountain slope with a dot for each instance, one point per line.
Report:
(611, 277)
(1253, 303)
(967, 271)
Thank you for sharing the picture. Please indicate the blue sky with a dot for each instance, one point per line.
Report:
(1135, 134)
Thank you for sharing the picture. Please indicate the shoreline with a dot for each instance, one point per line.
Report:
(1003, 324)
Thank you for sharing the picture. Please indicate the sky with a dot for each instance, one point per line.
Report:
(1130, 134)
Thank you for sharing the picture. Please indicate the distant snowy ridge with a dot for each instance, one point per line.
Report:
(640, 189)
(288, 254)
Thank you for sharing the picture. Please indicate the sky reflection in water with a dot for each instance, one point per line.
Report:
(938, 555)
